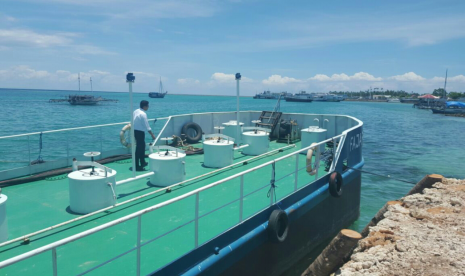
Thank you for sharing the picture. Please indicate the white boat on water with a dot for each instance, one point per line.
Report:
(395, 100)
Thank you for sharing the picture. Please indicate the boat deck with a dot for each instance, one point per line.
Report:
(37, 205)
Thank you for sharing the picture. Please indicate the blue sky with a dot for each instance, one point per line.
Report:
(196, 46)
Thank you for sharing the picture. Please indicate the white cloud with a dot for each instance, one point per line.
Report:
(21, 37)
(360, 76)
(91, 50)
(410, 76)
(364, 76)
(279, 80)
(222, 77)
(459, 78)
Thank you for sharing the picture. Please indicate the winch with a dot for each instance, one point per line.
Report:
(91, 189)
(167, 164)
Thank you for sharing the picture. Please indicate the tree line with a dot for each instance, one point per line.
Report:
(439, 92)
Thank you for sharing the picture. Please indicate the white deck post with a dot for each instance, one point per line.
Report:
(238, 78)
(130, 79)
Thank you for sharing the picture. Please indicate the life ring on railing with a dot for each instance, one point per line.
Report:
(310, 151)
(335, 184)
(122, 138)
(187, 130)
(278, 226)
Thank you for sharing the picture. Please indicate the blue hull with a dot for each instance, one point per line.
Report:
(314, 216)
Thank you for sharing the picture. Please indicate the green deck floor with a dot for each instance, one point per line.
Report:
(37, 205)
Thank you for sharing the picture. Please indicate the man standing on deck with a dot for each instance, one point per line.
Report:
(141, 125)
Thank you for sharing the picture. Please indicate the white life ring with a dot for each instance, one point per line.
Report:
(311, 171)
(122, 139)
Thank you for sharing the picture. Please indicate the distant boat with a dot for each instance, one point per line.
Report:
(160, 93)
(302, 96)
(409, 100)
(82, 100)
(267, 95)
(395, 100)
(326, 98)
(451, 107)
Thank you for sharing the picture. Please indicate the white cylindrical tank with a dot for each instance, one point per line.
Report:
(258, 142)
(90, 192)
(168, 168)
(218, 154)
(3, 218)
(230, 129)
(311, 135)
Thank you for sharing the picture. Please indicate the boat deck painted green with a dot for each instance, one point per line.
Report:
(40, 204)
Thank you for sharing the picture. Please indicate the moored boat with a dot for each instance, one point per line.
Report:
(326, 98)
(82, 100)
(451, 107)
(301, 96)
(268, 95)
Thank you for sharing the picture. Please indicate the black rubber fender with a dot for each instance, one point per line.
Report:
(278, 226)
(335, 184)
(192, 139)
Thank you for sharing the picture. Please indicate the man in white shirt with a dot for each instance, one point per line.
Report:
(141, 125)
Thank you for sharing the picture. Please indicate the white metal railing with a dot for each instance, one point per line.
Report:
(59, 144)
(53, 246)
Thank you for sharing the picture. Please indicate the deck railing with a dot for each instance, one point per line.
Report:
(58, 147)
(280, 177)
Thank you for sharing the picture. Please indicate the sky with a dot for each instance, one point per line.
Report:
(196, 46)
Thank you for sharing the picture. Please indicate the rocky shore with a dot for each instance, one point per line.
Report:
(422, 234)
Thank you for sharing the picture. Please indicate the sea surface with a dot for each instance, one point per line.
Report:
(400, 141)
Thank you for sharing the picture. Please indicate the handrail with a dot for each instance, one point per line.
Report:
(74, 128)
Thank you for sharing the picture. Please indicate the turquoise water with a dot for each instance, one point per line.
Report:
(399, 140)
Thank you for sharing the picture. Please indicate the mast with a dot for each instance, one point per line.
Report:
(445, 83)
(160, 87)
(79, 81)
(91, 84)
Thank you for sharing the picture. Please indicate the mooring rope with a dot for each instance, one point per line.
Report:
(272, 182)
(388, 176)
(39, 159)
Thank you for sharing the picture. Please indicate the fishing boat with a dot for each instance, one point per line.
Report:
(82, 100)
(301, 96)
(160, 93)
(451, 107)
(246, 206)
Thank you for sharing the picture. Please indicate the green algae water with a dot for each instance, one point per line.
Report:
(399, 141)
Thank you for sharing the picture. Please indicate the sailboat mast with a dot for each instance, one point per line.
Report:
(445, 83)
(79, 81)
(91, 84)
